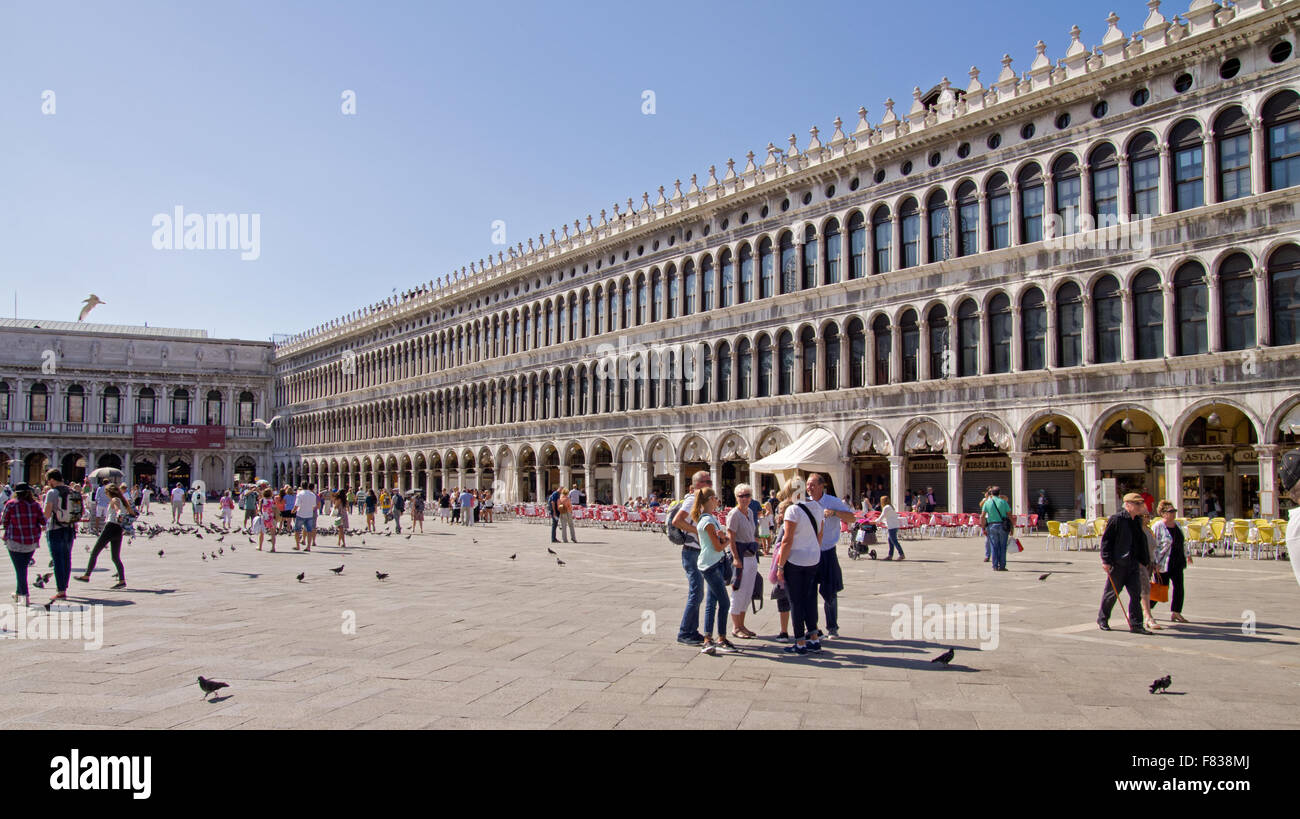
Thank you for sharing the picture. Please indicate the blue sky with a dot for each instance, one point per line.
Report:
(466, 113)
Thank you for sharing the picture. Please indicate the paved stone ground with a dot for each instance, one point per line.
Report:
(462, 637)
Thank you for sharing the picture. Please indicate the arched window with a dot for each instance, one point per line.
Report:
(1000, 334)
(1144, 176)
(1105, 185)
(857, 353)
(939, 228)
(909, 213)
(937, 318)
(561, 321)
(1284, 294)
(1187, 165)
(808, 344)
(884, 339)
(656, 296)
(111, 406)
(809, 257)
(764, 366)
(247, 407)
(785, 356)
(1191, 306)
(570, 392)
(1032, 202)
(968, 339)
(38, 409)
(547, 313)
(789, 264)
(4, 404)
(707, 283)
(1237, 302)
(910, 330)
(968, 219)
(857, 246)
(75, 404)
(722, 389)
(746, 275)
(597, 328)
(1108, 313)
(1149, 315)
(745, 356)
(833, 250)
(831, 366)
(1069, 325)
(688, 287)
(673, 293)
(766, 269)
(625, 317)
(573, 322)
(1232, 143)
(1066, 184)
(582, 391)
(706, 372)
(882, 228)
(180, 407)
(641, 298)
(611, 306)
(999, 195)
(213, 414)
(1033, 330)
(1282, 130)
(727, 270)
(586, 313)
(144, 406)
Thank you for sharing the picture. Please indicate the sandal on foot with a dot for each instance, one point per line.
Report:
(82, 578)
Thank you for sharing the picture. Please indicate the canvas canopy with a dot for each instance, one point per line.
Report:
(814, 451)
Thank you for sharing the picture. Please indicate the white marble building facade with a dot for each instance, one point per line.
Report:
(933, 290)
(71, 393)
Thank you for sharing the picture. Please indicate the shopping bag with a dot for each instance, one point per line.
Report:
(1020, 547)
(1159, 591)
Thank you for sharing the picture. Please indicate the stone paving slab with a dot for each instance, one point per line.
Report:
(461, 637)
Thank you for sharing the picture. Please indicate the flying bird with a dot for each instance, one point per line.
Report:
(88, 305)
(1043, 576)
(210, 686)
(381, 576)
(945, 657)
(1161, 684)
(267, 424)
(339, 570)
(301, 575)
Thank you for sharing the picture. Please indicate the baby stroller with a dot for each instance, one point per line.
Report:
(861, 538)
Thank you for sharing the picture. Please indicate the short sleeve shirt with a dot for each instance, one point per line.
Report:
(805, 549)
(305, 504)
(708, 555)
(831, 525)
(687, 506)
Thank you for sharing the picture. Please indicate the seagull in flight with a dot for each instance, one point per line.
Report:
(89, 304)
(267, 424)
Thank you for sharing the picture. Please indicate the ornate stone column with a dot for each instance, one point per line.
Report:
(1170, 326)
(923, 352)
(954, 482)
(896, 488)
(1019, 484)
(1263, 318)
(1088, 324)
(1214, 317)
(1016, 357)
(1091, 482)
(1127, 336)
(819, 366)
(983, 355)
(1174, 477)
(1268, 482)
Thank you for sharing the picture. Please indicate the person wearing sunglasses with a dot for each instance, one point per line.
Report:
(742, 525)
(688, 633)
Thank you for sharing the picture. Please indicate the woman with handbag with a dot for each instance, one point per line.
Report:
(741, 525)
(799, 561)
(713, 565)
(120, 511)
(1171, 556)
(1145, 573)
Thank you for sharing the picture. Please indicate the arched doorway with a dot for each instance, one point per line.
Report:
(1220, 466)
(602, 474)
(144, 471)
(1130, 450)
(985, 445)
(527, 474)
(245, 469)
(1054, 469)
(213, 472)
(772, 440)
(925, 468)
(73, 467)
(108, 459)
(695, 457)
(734, 461)
(34, 465)
(178, 472)
(869, 465)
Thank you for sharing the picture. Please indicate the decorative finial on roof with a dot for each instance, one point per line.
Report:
(1154, 17)
(603, 220)
(814, 143)
(975, 85)
(591, 225)
(645, 200)
(501, 257)
(1041, 61)
(794, 148)
(521, 247)
(713, 179)
(1076, 48)
(616, 212)
(530, 245)
(864, 127)
(750, 167)
(918, 107)
(695, 185)
(731, 170)
(889, 116)
(838, 135)
(771, 160)
(661, 200)
(677, 189)
(564, 231)
(629, 206)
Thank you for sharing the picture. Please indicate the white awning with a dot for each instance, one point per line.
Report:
(814, 451)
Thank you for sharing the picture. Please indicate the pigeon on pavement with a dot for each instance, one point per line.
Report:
(209, 686)
(945, 657)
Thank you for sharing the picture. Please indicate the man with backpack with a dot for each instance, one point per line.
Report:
(399, 505)
(63, 509)
(681, 531)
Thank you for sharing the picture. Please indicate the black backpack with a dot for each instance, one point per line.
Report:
(675, 535)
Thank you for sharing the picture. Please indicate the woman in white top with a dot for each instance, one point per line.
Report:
(889, 517)
(118, 507)
(798, 562)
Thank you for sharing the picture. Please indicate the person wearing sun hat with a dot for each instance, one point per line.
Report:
(1124, 556)
(1289, 483)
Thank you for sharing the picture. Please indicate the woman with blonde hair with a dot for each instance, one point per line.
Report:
(119, 508)
(798, 561)
(712, 566)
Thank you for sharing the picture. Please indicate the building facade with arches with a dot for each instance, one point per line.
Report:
(1089, 270)
(71, 394)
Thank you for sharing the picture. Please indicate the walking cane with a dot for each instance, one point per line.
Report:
(1115, 588)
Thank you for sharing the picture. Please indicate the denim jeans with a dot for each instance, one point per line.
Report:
(716, 601)
(555, 521)
(20, 561)
(694, 594)
(60, 541)
(894, 544)
(998, 541)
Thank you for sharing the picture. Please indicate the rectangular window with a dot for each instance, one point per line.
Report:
(38, 407)
(1070, 334)
(1284, 155)
(1035, 333)
(1189, 182)
(911, 240)
(1067, 204)
(939, 229)
(883, 237)
(1234, 167)
(857, 249)
(999, 222)
(1031, 209)
(1146, 187)
(968, 224)
(76, 409)
(1105, 195)
(144, 410)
